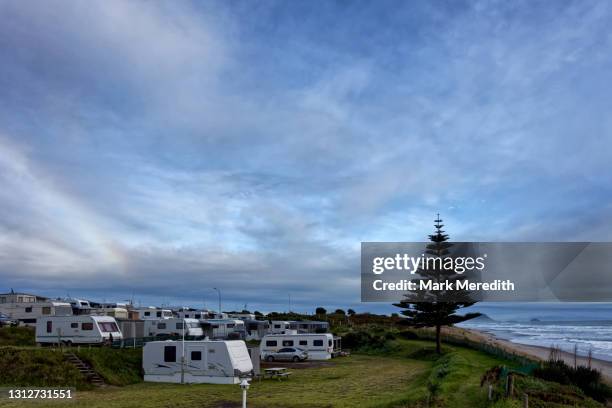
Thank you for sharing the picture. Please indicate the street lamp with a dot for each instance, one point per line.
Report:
(219, 293)
(244, 385)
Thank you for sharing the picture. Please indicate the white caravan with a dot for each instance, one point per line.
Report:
(279, 327)
(186, 313)
(318, 346)
(172, 327)
(223, 328)
(206, 361)
(153, 313)
(79, 306)
(29, 312)
(116, 312)
(79, 329)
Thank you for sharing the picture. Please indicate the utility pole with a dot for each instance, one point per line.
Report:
(219, 293)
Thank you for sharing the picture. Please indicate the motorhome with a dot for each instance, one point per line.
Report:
(318, 346)
(153, 313)
(223, 328)
(205, 361)
(279, 327)
(80, 329)
(173, 327)
(242, 316)
(256, 329)
(28, 308)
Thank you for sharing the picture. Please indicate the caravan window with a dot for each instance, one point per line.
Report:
(161, 326)
(196, 355)
(86, 326)
(49, 327)
(318, 343)
(287, 343)
(179, 326)
(147, 313)
(108, 327)
(329, 343)
(271, 343)
(303, 342)
(159, 314)
(170, 354)
(74, 325)
(46, 310)
(28, 309)
(230, 325)
(277, 326)
(197, 316)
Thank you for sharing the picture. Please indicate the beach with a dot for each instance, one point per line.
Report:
(536, 352)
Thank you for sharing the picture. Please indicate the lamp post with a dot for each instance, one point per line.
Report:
(244, 384)
(219, 293)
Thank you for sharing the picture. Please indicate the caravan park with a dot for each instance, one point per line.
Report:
(151, 357)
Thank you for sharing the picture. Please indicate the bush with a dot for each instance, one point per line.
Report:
(38, 367)
(586, 378)
(366, 342)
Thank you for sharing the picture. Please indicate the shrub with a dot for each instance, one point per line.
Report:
(17, 336)
(586, 378)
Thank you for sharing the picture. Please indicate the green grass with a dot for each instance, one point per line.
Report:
(116, 366)
(37, 367)
(402, 378)
(17, 336)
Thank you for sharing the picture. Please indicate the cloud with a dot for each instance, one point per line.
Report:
(155, 145)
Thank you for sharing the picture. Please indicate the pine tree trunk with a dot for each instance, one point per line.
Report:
(438, 340)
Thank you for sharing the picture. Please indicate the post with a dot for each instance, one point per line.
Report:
(490, 395)
(219, 293)
(244, 398)
(134, 333)
(509, 385)
(244, 384)
(183, 356)
(525, 400)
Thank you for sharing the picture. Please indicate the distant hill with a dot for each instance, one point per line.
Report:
(483, 318)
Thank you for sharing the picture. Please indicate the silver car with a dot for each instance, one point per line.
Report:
(286, 354)
(7, 321)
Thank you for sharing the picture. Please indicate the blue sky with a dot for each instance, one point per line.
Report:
(164, 148)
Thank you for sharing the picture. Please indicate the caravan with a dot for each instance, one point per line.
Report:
(152, 313)
(28, 308)
(223, 328)
(318, 346)
(77, 330)
(205, 361)
(172, 327)
(279, 326)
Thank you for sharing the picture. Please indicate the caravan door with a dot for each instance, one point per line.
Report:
(195, 356)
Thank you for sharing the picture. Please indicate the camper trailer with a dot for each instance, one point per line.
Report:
(153, 313)
(172, 327)
(188, 313)
(256, 329)
(279, 327)
(116, 312)
(318, 346)
(223, 328)
(308, 326)
(213, 362)
(79, 306)
(28, 308)
(77, 330)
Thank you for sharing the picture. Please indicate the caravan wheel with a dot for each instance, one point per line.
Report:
(270, 359)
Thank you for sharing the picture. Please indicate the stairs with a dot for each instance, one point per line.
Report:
(85, 369)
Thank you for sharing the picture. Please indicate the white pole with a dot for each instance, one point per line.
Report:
(244, 398)
(183, 356)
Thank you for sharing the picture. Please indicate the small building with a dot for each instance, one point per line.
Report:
(27, 308)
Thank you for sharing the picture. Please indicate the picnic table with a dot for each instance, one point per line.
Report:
(277, 372)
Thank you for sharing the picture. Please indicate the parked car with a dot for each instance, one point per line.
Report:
(7, 321)
(287, 354)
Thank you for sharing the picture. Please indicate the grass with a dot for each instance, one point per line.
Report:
(37, 367)
(406, 377)
(117, 366)
(17, 336)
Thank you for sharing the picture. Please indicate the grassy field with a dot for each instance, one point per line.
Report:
(407, 376)
(397, 380)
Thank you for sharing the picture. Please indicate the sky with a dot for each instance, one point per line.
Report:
(156, 150)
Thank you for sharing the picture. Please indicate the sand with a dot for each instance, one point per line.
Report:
(537, 352)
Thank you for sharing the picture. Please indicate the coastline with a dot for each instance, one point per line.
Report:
(537, 352)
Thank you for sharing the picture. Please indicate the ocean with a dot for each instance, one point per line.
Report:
(564, 325)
